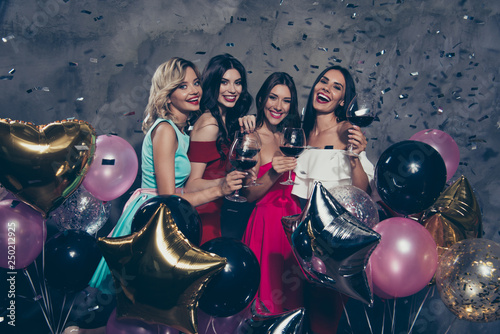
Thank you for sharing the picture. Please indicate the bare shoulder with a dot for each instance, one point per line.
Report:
(205, 128)
(165, 133)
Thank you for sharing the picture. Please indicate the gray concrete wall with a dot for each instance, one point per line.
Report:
(431, 64)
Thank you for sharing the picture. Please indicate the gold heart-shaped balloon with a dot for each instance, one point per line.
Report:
(43, 165)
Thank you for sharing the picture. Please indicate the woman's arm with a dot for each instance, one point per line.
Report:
(359, 177)
(280, 165)
(205, 129)
(164, 147)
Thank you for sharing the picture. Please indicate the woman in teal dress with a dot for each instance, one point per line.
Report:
(175, 94)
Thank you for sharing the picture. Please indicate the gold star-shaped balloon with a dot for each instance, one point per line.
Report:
(331, 245)
(158, 274)
(454, 216)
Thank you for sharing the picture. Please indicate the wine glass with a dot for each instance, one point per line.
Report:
(243, 156)
(293, 144)
(359, 112)
(250, 136)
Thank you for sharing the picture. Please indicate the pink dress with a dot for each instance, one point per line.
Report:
(281, 278)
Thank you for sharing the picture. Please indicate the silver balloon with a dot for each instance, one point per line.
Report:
(81, 211)
(290, 322)
(3, 192)
(331, 245)
(358, 203)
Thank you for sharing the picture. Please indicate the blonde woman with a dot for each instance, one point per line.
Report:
(175, 93)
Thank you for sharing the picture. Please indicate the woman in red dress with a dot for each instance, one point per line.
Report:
(281, 279)
(225, 99)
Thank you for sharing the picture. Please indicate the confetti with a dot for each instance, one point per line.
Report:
(274, 46)
(323, 49)
(119, 65)
(304, 37)
(7, 38)
(483, 118)
(93, 60)
(79, 98)
(290, 23)
(6, 77)
(86, 12)
(386, 90)
(242, 19)
(72, 63)
(296, 68)
(98, 18)
(403, 96)
(12, 71)
(414, 74)
(200, 52)
(45, 89)
(380, 53)
(129, 113)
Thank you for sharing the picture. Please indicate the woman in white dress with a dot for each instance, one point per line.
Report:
(328, 131)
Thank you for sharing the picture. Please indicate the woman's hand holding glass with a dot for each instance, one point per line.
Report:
(282, 164)
(243, 156)
(232, 182)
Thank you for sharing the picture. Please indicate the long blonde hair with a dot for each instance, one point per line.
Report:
(167, 77)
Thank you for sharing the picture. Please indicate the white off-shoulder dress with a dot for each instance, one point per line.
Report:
(329, 166)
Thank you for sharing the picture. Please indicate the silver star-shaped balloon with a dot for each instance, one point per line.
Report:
(289, 322)
(331, 245)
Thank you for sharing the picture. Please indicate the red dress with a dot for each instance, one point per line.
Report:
(206, 152)
(281, 278)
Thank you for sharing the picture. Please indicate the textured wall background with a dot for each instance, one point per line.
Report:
(431, 64)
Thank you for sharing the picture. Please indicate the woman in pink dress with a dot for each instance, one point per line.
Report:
(281, 279)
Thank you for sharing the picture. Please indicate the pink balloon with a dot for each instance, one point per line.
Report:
(113, 169)
(22, 234)
(444, 144)
(405, 260)
(135, 326)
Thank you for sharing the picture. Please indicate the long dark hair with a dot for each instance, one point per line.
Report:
(211, 79)
(278, 78)
(350, 92)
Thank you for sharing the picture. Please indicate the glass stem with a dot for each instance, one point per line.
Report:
(290, 175)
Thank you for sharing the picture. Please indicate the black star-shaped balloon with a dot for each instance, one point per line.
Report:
(159, 276)
(331, 245)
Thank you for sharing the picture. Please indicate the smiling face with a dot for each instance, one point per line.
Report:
(329, 92)
(230, 89)
(186, 97)
(277, 104)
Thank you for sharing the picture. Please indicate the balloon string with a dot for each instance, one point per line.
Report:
(35, 295)
(208, 324)
(212, 321)
(418, 312)
(368, 320)
(69, 311)
(383, 318)
(393, 329)
(452, 322)
(61, 314)
(346, 315)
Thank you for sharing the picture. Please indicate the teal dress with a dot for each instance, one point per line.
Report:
(102, 278)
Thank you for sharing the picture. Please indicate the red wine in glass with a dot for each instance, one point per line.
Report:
(360, 113)
(243, 156)
(292, 144)
(243, 164)
(292, 151)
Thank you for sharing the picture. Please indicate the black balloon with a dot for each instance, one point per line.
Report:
(233, 288)
(71, 257)
(410, 176)
(184, 214)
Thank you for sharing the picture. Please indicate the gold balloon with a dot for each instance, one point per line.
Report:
(158, 275)
(43, 165)
(468, 279)
(454, 216)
